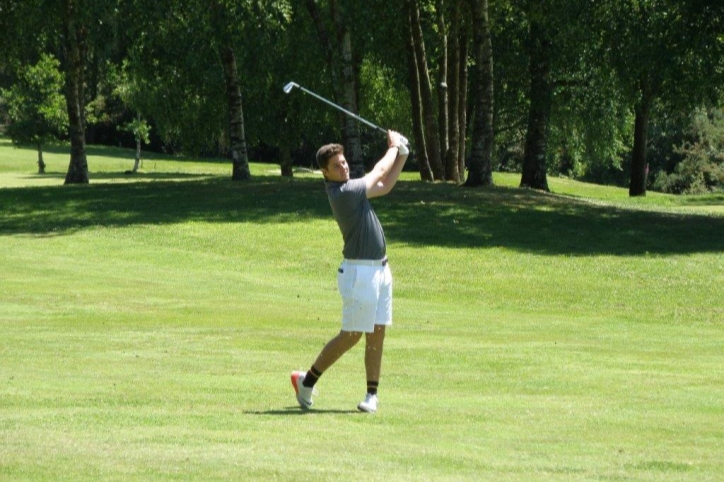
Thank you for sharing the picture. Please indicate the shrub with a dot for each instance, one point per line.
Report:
(702, 167)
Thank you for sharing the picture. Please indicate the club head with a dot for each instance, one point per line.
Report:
(288, 88)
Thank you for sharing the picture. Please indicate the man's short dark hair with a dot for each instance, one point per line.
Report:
(327, 152)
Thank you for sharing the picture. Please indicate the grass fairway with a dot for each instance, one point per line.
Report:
(148, 325)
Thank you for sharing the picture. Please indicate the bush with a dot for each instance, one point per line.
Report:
(702, 167)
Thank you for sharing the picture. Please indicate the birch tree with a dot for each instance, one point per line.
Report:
(481, 171)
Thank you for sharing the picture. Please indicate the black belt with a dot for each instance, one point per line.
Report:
(368, 262)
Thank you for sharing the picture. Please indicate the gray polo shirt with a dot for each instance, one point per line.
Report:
(361, 230)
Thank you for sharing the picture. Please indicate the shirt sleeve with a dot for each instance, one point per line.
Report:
(357, 188)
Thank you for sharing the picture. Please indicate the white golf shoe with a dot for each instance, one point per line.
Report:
(304, 394)
(369, 404)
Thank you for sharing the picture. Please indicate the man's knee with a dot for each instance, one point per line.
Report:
(376, 336)
(379, 331)
(351, 336)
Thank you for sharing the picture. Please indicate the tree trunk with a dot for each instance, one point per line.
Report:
(74, 37)
(41, 163)
(442, 92)
(541, 95)
(237, 138)
(463, 102)
(417, 130)
(432, 140)
(285, 155)
(352, 141)
(235, 110)
(452, 168)
(137, 161)
(346, 89)
(481, 170)
(637, 186)
(324, 41)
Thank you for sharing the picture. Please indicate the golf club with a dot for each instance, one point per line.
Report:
(288, 88)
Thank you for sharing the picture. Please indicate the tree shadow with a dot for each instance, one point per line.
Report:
(64, 209)
(416, 213)
(533, 221)
(705, 200)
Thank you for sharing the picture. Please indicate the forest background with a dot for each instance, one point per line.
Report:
(625, 92)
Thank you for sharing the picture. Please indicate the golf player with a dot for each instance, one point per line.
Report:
(364, 278)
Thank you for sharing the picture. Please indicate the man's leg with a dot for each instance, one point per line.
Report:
(373, 365)
(375, 340)
(335, 348)
(373, 356)
(332, 351)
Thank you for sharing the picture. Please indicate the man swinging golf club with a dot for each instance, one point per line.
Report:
(364, 278)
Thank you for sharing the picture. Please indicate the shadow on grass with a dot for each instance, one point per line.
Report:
(415, 213)
(533, 221)
(296, 411)
(705, 200)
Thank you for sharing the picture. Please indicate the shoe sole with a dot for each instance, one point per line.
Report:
(364, 409)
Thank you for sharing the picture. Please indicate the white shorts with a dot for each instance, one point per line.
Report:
(366, 291)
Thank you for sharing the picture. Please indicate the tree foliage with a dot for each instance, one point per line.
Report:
(662, 52)
(35, 105)
(702, 167)
(598, 89)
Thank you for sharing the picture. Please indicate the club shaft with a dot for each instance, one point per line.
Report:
(349, 113)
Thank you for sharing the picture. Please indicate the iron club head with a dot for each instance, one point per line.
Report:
(288, 88)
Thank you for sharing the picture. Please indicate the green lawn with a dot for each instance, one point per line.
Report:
(149, 323)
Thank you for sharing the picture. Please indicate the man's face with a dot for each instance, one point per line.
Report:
(337, 169)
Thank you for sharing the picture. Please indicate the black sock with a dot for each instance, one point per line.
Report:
(311, 377)
(372, 387)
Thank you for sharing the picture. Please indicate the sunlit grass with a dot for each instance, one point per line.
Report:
(18, 166)
(147, 330)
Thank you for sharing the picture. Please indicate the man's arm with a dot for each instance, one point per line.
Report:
(383, 177)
